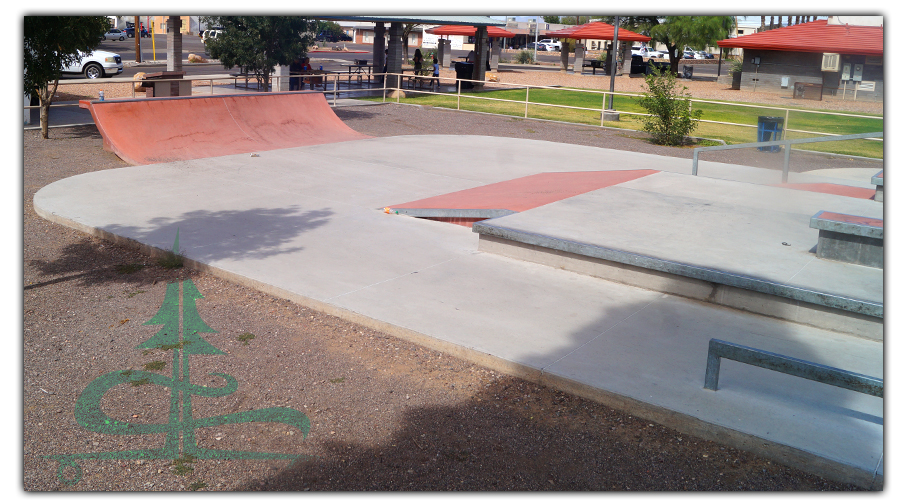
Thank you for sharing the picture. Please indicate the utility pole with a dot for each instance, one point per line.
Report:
(614, 62)
(137, 38)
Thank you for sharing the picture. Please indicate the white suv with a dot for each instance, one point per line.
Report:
(97, 64)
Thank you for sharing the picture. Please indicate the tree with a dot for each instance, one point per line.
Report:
(407, 29)
(51, 44)
(637, 24)
(551, 19)
(259, 43)
(329, 29)
(671, 118)
(675, 32)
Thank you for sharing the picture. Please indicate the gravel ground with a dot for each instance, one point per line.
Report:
(385, 414)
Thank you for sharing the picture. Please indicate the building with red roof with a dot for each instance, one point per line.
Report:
(843, 54)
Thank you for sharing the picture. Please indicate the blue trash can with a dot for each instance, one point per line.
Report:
(769, 128)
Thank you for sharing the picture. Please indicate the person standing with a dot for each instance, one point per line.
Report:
(436, 71)
(305, 68)
(294, 69)
(417, 62)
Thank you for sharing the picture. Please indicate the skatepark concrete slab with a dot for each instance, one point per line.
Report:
(758, 231)
(305, 224)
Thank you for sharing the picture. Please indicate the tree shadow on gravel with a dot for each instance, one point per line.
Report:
(517, 436)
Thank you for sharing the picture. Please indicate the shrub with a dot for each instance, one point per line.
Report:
(671, 118)
(525, 57)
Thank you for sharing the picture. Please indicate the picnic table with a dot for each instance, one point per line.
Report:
(360, 68)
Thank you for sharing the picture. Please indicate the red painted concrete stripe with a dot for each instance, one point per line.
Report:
(823, 187)
(852, 219)
(528, 192)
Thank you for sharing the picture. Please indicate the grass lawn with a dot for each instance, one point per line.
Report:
(512, 103)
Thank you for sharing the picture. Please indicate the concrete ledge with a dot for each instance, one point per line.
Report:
(849, 238)
(868, 227)
(469, 213)
(822, 310)
(878, 181)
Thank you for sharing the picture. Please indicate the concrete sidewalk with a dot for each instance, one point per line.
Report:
(306, 224)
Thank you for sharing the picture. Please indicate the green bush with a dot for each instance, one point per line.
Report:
(525, 57)
(671, 118)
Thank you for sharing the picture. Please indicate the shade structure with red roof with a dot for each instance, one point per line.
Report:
(597, 31)
(817, 37)
(492, 31)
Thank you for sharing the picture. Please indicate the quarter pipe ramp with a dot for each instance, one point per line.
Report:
(159, 130)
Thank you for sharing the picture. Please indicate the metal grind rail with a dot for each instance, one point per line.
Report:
(787, 148)
(719, 349)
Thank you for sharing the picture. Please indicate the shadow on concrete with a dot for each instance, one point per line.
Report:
(250, 234)
(266, 232)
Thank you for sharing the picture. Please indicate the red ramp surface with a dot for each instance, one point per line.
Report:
(159, 130)
(528, 192)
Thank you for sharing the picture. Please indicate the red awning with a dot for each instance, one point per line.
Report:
(816, 36)
(597, 31)
(492, 31)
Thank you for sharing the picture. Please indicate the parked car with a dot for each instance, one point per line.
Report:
(129, 32)
(211, 33)
(640, 51)
(663, 54)
(333, 38)
(114, 34)
(703, 55)
(97, 64)
(551, 45)
(540, 46)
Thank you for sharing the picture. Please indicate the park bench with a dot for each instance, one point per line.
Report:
(849, 238)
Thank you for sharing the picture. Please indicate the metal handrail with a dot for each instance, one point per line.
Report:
(785, 364)
(787, 148)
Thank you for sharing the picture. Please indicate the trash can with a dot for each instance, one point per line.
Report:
(688, 72)
(769, 128)
(464, 71)
(638, 66)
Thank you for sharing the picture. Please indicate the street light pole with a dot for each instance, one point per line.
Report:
(614, 62)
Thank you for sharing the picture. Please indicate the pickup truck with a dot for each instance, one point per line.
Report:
(550, 44)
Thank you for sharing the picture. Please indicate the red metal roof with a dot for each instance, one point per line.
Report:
(597, 31)
(492, 31)
(816, 36)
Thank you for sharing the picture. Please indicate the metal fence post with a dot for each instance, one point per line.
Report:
(603, 110)
(784, 134)
(713, 362)
(787, 161)
(527, 88)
